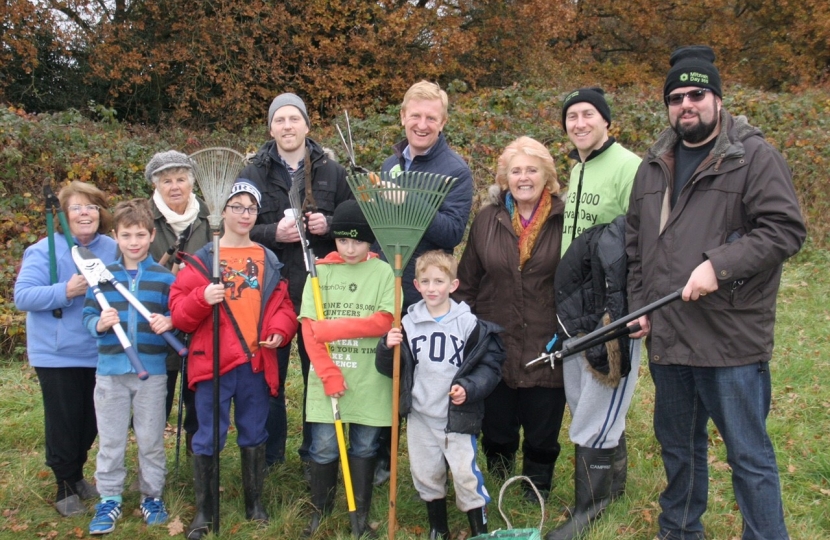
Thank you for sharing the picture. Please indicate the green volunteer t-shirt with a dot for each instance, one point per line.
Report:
(352, 290)
(606, 187)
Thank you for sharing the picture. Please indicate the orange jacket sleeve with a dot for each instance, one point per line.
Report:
(328, 330)
(324, 366)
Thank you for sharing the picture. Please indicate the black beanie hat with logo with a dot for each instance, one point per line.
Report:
(593, 95)
(693, 66)
(349, 222)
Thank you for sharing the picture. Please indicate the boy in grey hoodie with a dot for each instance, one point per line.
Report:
(451, 362)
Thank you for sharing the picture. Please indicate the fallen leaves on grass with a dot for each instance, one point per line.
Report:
(175, 527)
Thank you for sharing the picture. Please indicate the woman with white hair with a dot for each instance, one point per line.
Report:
(180, 219)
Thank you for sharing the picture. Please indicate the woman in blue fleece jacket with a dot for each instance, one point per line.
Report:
(62, 352)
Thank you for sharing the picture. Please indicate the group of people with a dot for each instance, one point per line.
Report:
(711, 210)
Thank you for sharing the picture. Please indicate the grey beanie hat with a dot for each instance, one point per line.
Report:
(166, 160)
(243, 185)
(287, 99)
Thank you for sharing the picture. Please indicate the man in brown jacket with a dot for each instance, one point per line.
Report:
(713, 210)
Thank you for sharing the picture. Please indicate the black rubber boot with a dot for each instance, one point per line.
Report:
(594, 468)
(501, 465)
(202, 486)
(541, 474)
(253, 474)
(323, 488)
(478, 521)
(437, 513)
(620, 470)
(363, 475)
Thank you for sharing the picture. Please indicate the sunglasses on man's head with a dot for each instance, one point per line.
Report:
(693, 95)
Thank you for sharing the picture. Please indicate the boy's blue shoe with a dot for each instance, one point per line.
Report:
(154, 511)
(106, 514)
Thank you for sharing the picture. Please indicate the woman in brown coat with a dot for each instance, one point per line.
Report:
(506, 275)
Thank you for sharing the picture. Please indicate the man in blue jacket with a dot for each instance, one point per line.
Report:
(423, 117)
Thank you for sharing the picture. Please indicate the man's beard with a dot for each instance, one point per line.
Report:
(696, 133)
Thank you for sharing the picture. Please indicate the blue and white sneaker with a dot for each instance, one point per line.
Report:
(154, 511)
(106, 514)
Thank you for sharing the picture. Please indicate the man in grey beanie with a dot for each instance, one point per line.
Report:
(713, 212)
(291, 156)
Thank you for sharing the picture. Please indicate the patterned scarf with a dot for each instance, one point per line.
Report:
(528, 233)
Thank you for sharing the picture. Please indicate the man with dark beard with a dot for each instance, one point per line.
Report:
(713, 211)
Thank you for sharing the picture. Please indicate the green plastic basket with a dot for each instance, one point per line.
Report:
(510, 532)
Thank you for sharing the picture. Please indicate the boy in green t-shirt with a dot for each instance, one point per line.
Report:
(358, 300)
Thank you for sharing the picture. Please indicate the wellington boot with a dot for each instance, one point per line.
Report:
(620, 469)
(202, 486)
(478, 521)
(541, 474)
(253, 474)
(592, 487)
(437, 514)
(363, 475)
(323, 486)
(500, 465)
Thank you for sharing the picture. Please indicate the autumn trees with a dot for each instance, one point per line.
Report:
(218, 62)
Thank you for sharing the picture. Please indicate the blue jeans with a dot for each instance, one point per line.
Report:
(363, 442)
(737, 399)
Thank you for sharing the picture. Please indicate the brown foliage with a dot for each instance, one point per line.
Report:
(219, 63)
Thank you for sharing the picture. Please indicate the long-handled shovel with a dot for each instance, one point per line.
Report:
(399, 209)
(50, 240)
(311, 267)
(132, 355)
(216, 170)
(606, 333)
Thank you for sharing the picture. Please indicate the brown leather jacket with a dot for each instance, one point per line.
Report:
(520, 301)
(740, 211)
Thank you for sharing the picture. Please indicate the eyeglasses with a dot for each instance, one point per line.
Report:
(90, 208)
(237, 209)
(694, 96)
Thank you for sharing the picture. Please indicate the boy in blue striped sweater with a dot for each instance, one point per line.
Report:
(118, 390)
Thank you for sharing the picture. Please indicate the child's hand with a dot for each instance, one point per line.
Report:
(214, 293)
(394, 337)
(457, 394)
(109, 318)
(341, 393)
(273, 341)
(160, 324)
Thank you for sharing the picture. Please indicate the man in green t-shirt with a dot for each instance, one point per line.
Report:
(598, 192)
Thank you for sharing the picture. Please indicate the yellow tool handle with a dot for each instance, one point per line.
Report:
(335, 407)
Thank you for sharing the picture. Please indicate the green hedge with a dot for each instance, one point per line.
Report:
(68, 145)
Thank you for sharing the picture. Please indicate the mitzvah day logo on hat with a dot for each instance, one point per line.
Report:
(694, 77)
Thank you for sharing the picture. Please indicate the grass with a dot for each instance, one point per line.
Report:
(797, 425)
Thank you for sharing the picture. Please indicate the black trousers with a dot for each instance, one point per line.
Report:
(277, 423)
(69, 418)
(537, 411)
(190, 422)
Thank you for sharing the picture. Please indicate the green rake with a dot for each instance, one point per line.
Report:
(399, 208)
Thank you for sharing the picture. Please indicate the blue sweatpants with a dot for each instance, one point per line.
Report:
(250, 396)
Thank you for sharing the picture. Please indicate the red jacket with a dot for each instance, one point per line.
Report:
(191, 313)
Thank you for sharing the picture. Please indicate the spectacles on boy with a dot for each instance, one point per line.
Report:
(695, 96)
(238, 209)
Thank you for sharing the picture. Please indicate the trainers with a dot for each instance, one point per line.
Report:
(106, 514)
(154, 511)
